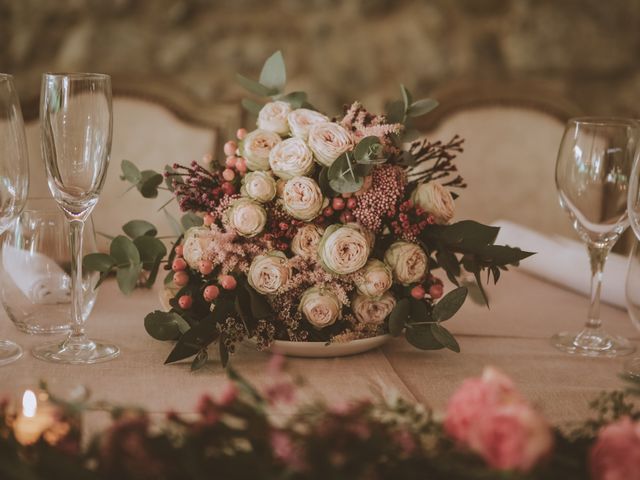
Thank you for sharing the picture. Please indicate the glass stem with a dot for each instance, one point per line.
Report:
(597, 256)
(76, 235)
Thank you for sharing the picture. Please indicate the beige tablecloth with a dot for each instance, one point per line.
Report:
(513, 336)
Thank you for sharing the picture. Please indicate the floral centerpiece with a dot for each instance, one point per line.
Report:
(316, 229)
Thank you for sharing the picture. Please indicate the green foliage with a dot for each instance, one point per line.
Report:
(128, 262)
(399, 111)
(138, 228)
(345, 176)
(274, 73)
(165, 325)
(146, 181)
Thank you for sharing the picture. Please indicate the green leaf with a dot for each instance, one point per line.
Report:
(449, 304)
(444, 337)
(421, 336)
(255, 87)
(395, 112)
(399, 317)
(127, 258)
(165, 325)
(463, 236)
(260, 307)
(501, 255)
(98, 262)
(138, 228)
(251, 106)
(175, 225)
(295, 99)
(190, 220)
(449, 263)
(323, 182)
(419, 312)
(274, 72)
(406, 159)
(193, 340)
(224, 352)
(369, 151)
(152, 251)
(130, 172)
(343, 177)
(406, 97)
(421, 107)
(200, 360)
(149, 183)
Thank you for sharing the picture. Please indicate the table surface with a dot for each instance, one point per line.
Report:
(513, 335)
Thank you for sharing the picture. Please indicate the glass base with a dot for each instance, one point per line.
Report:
(632, 368)
(592, 344)
(9, 352)
(76, 352)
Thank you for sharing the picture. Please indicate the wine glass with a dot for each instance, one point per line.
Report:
(76, 123)
(14, 176)
(592, 175)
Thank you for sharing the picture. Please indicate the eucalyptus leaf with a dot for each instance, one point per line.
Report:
(152, 251)
(130, 172)
(175, 225)
(422, 107)
(444, 337)
(449, 304)
(251, 106)
(98, 262)
(165, 325)
(395, 112)
(343, 177)
(138, 228)
(127, 258)
(295, 99)
(149, 183)
(421, 336)
(255, 87)
(406, 97)
(200, 360)
(399, 317)
(274, 73)
(419, 312)
(190, 220)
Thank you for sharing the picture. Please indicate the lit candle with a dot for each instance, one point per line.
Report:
(34, 419)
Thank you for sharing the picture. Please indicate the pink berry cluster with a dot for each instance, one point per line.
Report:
(411, 221)
(235, 165)
(432, 286)
(340, 209)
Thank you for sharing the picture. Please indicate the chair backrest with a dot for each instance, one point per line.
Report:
(512, 134)
(153, 125)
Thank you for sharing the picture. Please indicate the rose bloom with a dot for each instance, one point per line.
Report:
(268, 273)
(256, 147)
(343, 249)
(374, 279)
(407, 261)
(328, 141)
(306, 240)
(615, 455)
(260, 186)
(433, 198)
(246, 217)
(291, 158)
(302, 198)
(273, 117)
(301, 120)
(194, 245)
(321, 307)
(373, 310)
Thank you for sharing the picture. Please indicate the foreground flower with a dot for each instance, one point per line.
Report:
(268, 273)
(374, 279)
(328, 141)
(373, 310)
(488, 416)
(256, 147)
(194, 245)
(260, 186)
(246, 217)
(407, 261)
(302, 198)
(343, 249)
(433, 198)
(616, 452)
(306, 240)
(291, 158)
(273, 117)
(301, 120)
(321, 307)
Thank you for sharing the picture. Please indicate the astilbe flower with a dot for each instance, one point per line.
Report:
(232, 252)
(196, 188)
(381, 199)
(362, 123)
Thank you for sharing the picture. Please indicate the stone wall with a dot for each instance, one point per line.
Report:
(587, 50)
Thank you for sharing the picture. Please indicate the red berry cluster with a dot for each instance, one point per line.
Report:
(411, 221)
(432, 286)
(340, 209)
(280, 228)
(198, 189)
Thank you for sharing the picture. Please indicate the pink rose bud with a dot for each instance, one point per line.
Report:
(205, 267)
(207, 220)
(228, 174)
(178, 264)
(418, 292)
(230, 148)
(179, 250)
(231, 161)
(228, 282)
(436, 291)
(210, 293)
(241, 133)
(181, 278)
(185, 302)
(615, 455)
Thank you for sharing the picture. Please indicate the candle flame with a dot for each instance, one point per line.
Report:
(29, 404)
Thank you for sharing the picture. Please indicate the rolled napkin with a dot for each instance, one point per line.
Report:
(37, 276)
(565, 262)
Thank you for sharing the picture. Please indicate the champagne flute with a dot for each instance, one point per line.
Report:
(592, 175)
(632, 367)
(76, 122)
(14, 176)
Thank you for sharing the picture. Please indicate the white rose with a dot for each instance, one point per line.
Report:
(256, 147)
(321, 307)
(374, 279)
(273, 117)
(373, 310)
(260, 186)
(306, 240)
(268, 273)
(302, 119)
(194, 245)
(246, 217)
(433, 198)
(302, 198)
(343, 249)
(291, 158)
(328, 141)
(408, 262)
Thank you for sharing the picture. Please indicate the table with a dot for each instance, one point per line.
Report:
(512, 335)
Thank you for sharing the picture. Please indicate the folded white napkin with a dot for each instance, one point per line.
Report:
(37, 276)
(564, 261)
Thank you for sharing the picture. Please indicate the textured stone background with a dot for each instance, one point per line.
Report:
(587, 50)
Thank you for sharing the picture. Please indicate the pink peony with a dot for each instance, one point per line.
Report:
(616, 453)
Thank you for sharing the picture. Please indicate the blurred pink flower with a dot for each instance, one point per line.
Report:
(285, 450)
(277, 392)
(616, 453)
(229, 394)
(276, 364)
